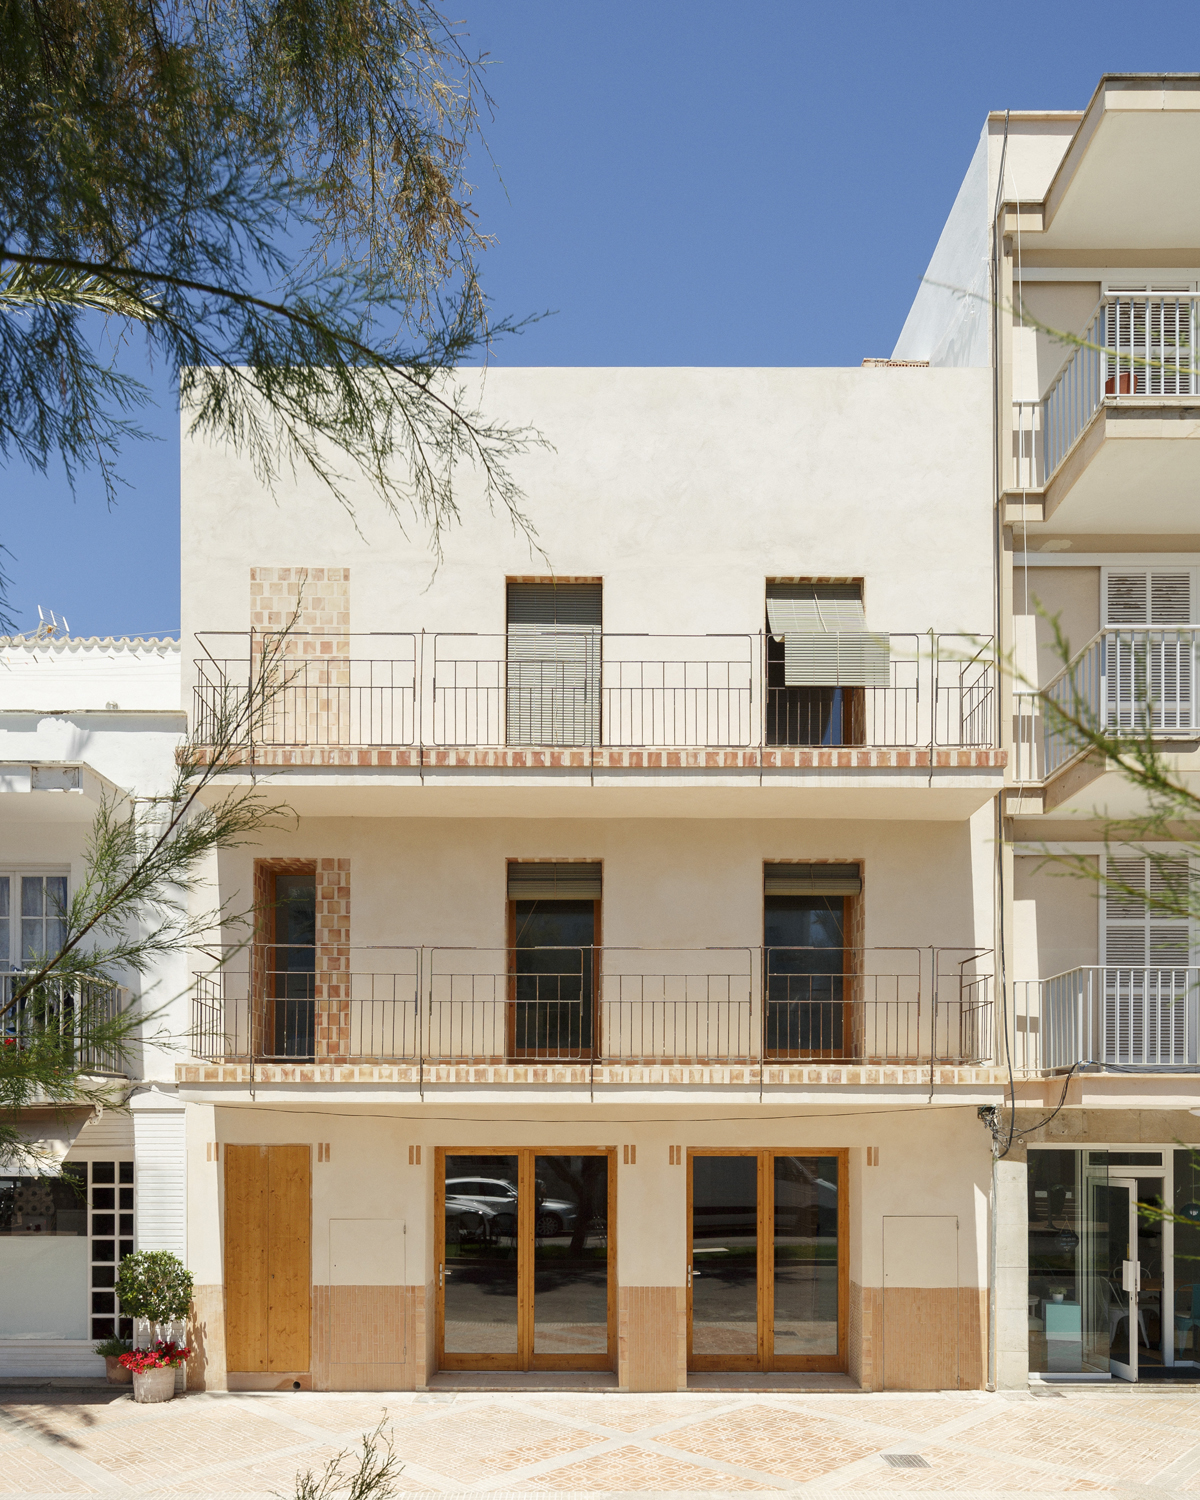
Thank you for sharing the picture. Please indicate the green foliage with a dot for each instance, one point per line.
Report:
(272, 193)
(154, 1284)
(113, 1348)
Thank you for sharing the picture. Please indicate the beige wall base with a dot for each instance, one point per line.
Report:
(863, 1336)
(652, 1338)
(206, 1337)
(368, 1338)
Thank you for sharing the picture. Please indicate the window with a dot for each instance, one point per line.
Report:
(554, 922)
(1148, 651)
(806, 922)
(821, 659)
(553, 644)
(32, 908)
(1137, 932)
(290, 989)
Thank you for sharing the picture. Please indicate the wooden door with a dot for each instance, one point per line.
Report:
(268, 1258)
(768, 1259)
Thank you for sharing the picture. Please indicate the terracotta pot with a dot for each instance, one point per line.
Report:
(154, 1385)
(116, 1372)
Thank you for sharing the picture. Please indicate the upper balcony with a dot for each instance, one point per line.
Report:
(1108, 1016)
(1121, 419)
(585, 701)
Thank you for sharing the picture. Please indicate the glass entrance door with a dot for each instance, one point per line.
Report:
(525, 1261)
(1137, 1278)
(767, 1261)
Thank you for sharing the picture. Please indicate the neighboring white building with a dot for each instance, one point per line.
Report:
(81, 721)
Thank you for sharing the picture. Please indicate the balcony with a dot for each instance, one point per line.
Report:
(1121, 418)
(592, 700)
(602, 1014)
(66, 1013)
(1108, 1016)
(1125, 681)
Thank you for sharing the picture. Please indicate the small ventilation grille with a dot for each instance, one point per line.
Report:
(905, 1460)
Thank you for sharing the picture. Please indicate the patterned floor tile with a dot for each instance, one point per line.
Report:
(189, 1435)
(632, 1468)
(1108, 1442)
(793, 1445)
(473, 1443)
(916, 1413)
(949, 1470)
(24, 1470)
(623, 1413)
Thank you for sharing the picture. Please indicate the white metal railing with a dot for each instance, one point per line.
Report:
(1135, 345)
(1126, 680)
(586, 690)
(1107, 1014)
(70, 1012)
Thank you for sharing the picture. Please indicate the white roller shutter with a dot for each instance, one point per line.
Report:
(825, 639)
(554, 658)
(1148, 655)
(160, 1168)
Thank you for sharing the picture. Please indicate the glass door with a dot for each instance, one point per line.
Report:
(1120, 1280)
(767, 1261)
(804, 938)
(525, 1260)
(553, 987)
(1138, 1278)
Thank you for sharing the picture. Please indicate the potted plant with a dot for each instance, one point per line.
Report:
(153, 1370)
(154, 1288)
(110, 1352)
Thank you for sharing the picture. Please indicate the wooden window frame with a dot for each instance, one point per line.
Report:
(766, 1359)
(525, 1358)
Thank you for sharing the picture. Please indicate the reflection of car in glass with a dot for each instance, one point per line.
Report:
(499, 1198)
(466, 1220)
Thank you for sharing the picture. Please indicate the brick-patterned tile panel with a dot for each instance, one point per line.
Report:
(971, 1474)
(793, 1445)
(633, 1468)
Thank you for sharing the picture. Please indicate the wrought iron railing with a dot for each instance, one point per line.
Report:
(1135, 345)
(584, 689)
(1125, 681)
(601, 1006)
(1109, 1015)
(71, 1012)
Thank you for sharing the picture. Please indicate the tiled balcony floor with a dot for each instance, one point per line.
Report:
(1117, 1441)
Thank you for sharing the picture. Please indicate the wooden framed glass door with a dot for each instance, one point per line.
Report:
(768, 1262)
(526, 1259)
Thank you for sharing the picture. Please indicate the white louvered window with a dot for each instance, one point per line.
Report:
(825, 637)
(1149, 653)
(554, 657)
(1147, 951)
(1150, 336)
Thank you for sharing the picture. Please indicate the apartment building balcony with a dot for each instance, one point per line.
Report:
(1109, 1016)
(68, 1013)
(596, 1016)
(1124, 681)
(606, 709)
(1121, 419)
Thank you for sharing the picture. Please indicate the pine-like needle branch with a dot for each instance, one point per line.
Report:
(272, 193)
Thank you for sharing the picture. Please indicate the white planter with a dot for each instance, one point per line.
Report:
(146, 1333)
(154, 1385)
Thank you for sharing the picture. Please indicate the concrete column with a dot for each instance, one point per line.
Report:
(1012, 1275)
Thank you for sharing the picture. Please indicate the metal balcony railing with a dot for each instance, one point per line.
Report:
(1135, 345)
(67, 1011)
(1110, 1015)
(601, 1006)
(584, 689)
(1125, 680)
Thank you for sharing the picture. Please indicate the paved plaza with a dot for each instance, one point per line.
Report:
(1123, 1442)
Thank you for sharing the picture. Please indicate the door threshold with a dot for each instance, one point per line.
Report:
(774, 1380)
(523, 1380)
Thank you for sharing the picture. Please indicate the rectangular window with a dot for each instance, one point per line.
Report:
(290, 991)
(554, 655)
(806, 921)
(554, 922)
(1147, 661)
(821, 660)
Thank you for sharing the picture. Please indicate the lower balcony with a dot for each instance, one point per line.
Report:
(72, 1014)
(1109, 1017)
(605, 1014)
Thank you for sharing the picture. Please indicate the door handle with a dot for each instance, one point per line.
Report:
(1129, 1277)
(1137, 1276)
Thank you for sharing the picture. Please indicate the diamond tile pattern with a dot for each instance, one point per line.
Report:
(246, 1447)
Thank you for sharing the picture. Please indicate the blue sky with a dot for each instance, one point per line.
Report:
(685, 182)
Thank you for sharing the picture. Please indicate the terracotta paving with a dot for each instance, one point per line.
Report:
(1119, 1442)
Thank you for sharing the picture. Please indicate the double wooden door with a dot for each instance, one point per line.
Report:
(768, 1274)
(526, 1259)
(268, 1258)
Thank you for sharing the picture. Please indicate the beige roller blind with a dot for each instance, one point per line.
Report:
(554, 655)
(825, 639)
(780, 879)
(543, 881)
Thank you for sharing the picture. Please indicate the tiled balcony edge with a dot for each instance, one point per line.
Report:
(552, 758)
(566, 1074)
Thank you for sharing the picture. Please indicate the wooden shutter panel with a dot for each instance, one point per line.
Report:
(1136, 933)
(1151, 664)
(554, 658)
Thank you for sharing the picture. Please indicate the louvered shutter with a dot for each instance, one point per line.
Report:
(825, 639)
(542, 881)
(1155, 662)
(781, 879)
(554, 650)
(1146, 956)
